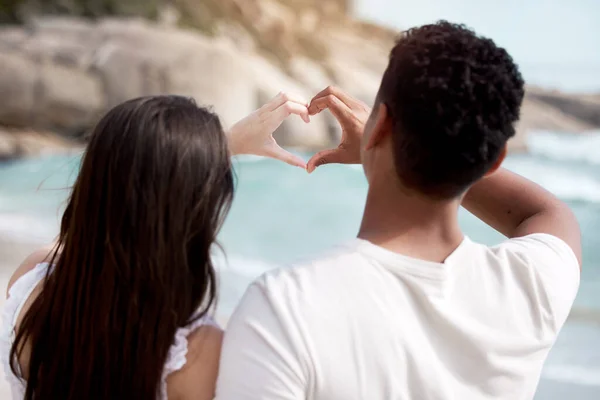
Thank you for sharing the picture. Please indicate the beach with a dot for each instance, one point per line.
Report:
(61, 71)
(281, 215)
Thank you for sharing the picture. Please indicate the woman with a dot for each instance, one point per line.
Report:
(119, 309)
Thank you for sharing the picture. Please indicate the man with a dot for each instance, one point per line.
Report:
(413, 309)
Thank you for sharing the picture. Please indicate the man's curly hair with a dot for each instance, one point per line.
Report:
(454, 98)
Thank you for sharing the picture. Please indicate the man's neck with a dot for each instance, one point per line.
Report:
(411, 224)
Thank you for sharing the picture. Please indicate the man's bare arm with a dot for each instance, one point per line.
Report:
(517, 207)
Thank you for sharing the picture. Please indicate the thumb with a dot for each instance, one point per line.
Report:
(276, 152)
(325, 157)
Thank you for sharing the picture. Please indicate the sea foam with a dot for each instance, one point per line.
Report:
(583, 147)
(565, 181)
(574, 374)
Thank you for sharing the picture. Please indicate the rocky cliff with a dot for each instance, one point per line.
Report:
(60, 73)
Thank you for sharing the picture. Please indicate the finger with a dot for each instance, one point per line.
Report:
(344, 97)
(331, 156)
(289, 108)
(283, 98)
(339, 110)
(276, 152)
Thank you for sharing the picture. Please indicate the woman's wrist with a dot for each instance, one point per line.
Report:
(233, 144)
(254, 134)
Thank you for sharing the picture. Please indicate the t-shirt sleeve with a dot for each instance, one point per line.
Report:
(259, 359)
(552, 264)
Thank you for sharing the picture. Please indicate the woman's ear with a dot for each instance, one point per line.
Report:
(498, 162)
(381, 128)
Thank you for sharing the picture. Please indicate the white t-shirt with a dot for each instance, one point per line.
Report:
(366, 323)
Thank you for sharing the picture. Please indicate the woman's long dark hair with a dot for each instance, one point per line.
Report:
(132, 262)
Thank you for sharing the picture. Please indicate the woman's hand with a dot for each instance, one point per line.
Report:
(254, 134)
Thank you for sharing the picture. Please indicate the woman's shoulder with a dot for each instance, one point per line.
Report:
(38, 257)
(197, 378)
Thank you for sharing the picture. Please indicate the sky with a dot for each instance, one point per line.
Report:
(556, 43)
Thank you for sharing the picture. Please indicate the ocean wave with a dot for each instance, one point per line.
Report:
(566, 147)
(579, 148)
(574, 374)
(566, 183)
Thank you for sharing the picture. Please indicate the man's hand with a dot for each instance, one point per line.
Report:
(254, 134)
(352, 115)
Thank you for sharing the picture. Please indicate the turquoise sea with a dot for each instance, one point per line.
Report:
(281, 215)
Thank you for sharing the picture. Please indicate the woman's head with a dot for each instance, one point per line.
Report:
(134, 260)
(153, 186)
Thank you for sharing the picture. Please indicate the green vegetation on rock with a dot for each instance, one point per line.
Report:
(278, 28)
(21, 10)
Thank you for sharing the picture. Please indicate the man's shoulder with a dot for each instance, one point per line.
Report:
(539, 263)
(536, 248)
(314, 274)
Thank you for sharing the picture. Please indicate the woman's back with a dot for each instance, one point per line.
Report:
(191, 368)
(131, 279)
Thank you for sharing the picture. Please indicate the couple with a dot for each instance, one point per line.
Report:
(411, 309)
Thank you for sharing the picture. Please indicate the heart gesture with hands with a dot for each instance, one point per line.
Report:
(352, 114)
(254, 134)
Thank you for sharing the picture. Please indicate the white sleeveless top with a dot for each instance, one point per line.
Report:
(20, 292)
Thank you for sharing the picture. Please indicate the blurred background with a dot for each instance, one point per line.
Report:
(64, 62)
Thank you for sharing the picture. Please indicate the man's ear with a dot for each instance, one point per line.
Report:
(381, 128)
(498, 162)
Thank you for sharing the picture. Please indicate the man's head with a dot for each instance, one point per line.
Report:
(449, 100)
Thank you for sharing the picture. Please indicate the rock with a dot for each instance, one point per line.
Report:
(62, 73)
(366, 52)
(68, 99)
(8, 147)
(309, 74)
(216, 78)
(67, 41)
(51, 49)
(541, 116)
(138, 59)
(76, 69)
(584, 108)
(28, 143)
(121, 70)
(65, 27)
(12, 38)
(47, 95)
(293, 132)
(18, 80)
(357, 81)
